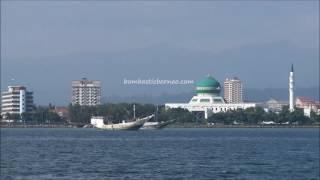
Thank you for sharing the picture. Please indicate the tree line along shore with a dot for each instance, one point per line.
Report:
(44, 116)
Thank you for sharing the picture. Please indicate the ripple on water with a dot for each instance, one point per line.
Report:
(169, 154)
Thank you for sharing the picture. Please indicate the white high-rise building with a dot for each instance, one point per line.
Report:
(233, 92)
(86, 92)
(16, 100)
(291, 90)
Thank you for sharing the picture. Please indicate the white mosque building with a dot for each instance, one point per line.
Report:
(208, 100)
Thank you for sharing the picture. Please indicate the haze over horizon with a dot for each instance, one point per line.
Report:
(46, 45)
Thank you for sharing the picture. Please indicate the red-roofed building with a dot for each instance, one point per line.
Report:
(63, 112)
(308, 104)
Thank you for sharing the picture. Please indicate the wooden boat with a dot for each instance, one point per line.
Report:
(98, 122)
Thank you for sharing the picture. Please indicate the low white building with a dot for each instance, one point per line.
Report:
(208, 100)
(275, 105)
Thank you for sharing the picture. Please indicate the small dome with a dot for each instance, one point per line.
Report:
(208, 85)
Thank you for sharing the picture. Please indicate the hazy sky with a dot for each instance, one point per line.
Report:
(47, 44)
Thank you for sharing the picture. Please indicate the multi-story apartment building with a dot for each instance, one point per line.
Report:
(86, 92)
(16, 100)
(233, 90)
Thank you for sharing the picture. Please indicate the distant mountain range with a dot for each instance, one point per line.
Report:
(250, 95)
(257, 65)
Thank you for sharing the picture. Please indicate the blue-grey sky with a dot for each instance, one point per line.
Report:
(47, 44)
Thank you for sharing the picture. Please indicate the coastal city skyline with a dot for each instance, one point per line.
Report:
(210, 98)
(105, 97)
(240, 91)
(136, 40)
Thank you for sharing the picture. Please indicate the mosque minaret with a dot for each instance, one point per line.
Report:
(291, 90)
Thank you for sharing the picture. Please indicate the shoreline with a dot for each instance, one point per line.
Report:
(245, 126)
(38, 126)
(2, 126)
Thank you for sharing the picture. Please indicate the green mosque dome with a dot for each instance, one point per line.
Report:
(208, 85)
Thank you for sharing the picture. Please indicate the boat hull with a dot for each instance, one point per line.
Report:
(155, 125)
(135, 125)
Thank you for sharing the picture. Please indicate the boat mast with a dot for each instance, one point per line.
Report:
(156, 114)
(134, 111)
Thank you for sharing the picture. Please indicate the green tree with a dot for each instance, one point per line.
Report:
(13, 116)
(314, 117)
(297, 116)
(43, 114)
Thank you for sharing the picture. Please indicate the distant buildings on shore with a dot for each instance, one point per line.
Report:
(275, 105)
(208, 100)
(308, 105)
(17, 100)
(233, 92)
(86, 92)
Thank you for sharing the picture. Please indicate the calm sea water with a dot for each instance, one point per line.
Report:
(165, 154)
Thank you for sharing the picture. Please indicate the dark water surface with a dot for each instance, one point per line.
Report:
(165, 154)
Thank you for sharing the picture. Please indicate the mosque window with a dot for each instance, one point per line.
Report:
(204, 100)
(217, 100)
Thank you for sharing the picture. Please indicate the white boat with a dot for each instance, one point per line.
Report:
(268, 122)
(98, 122)
(156, 125)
